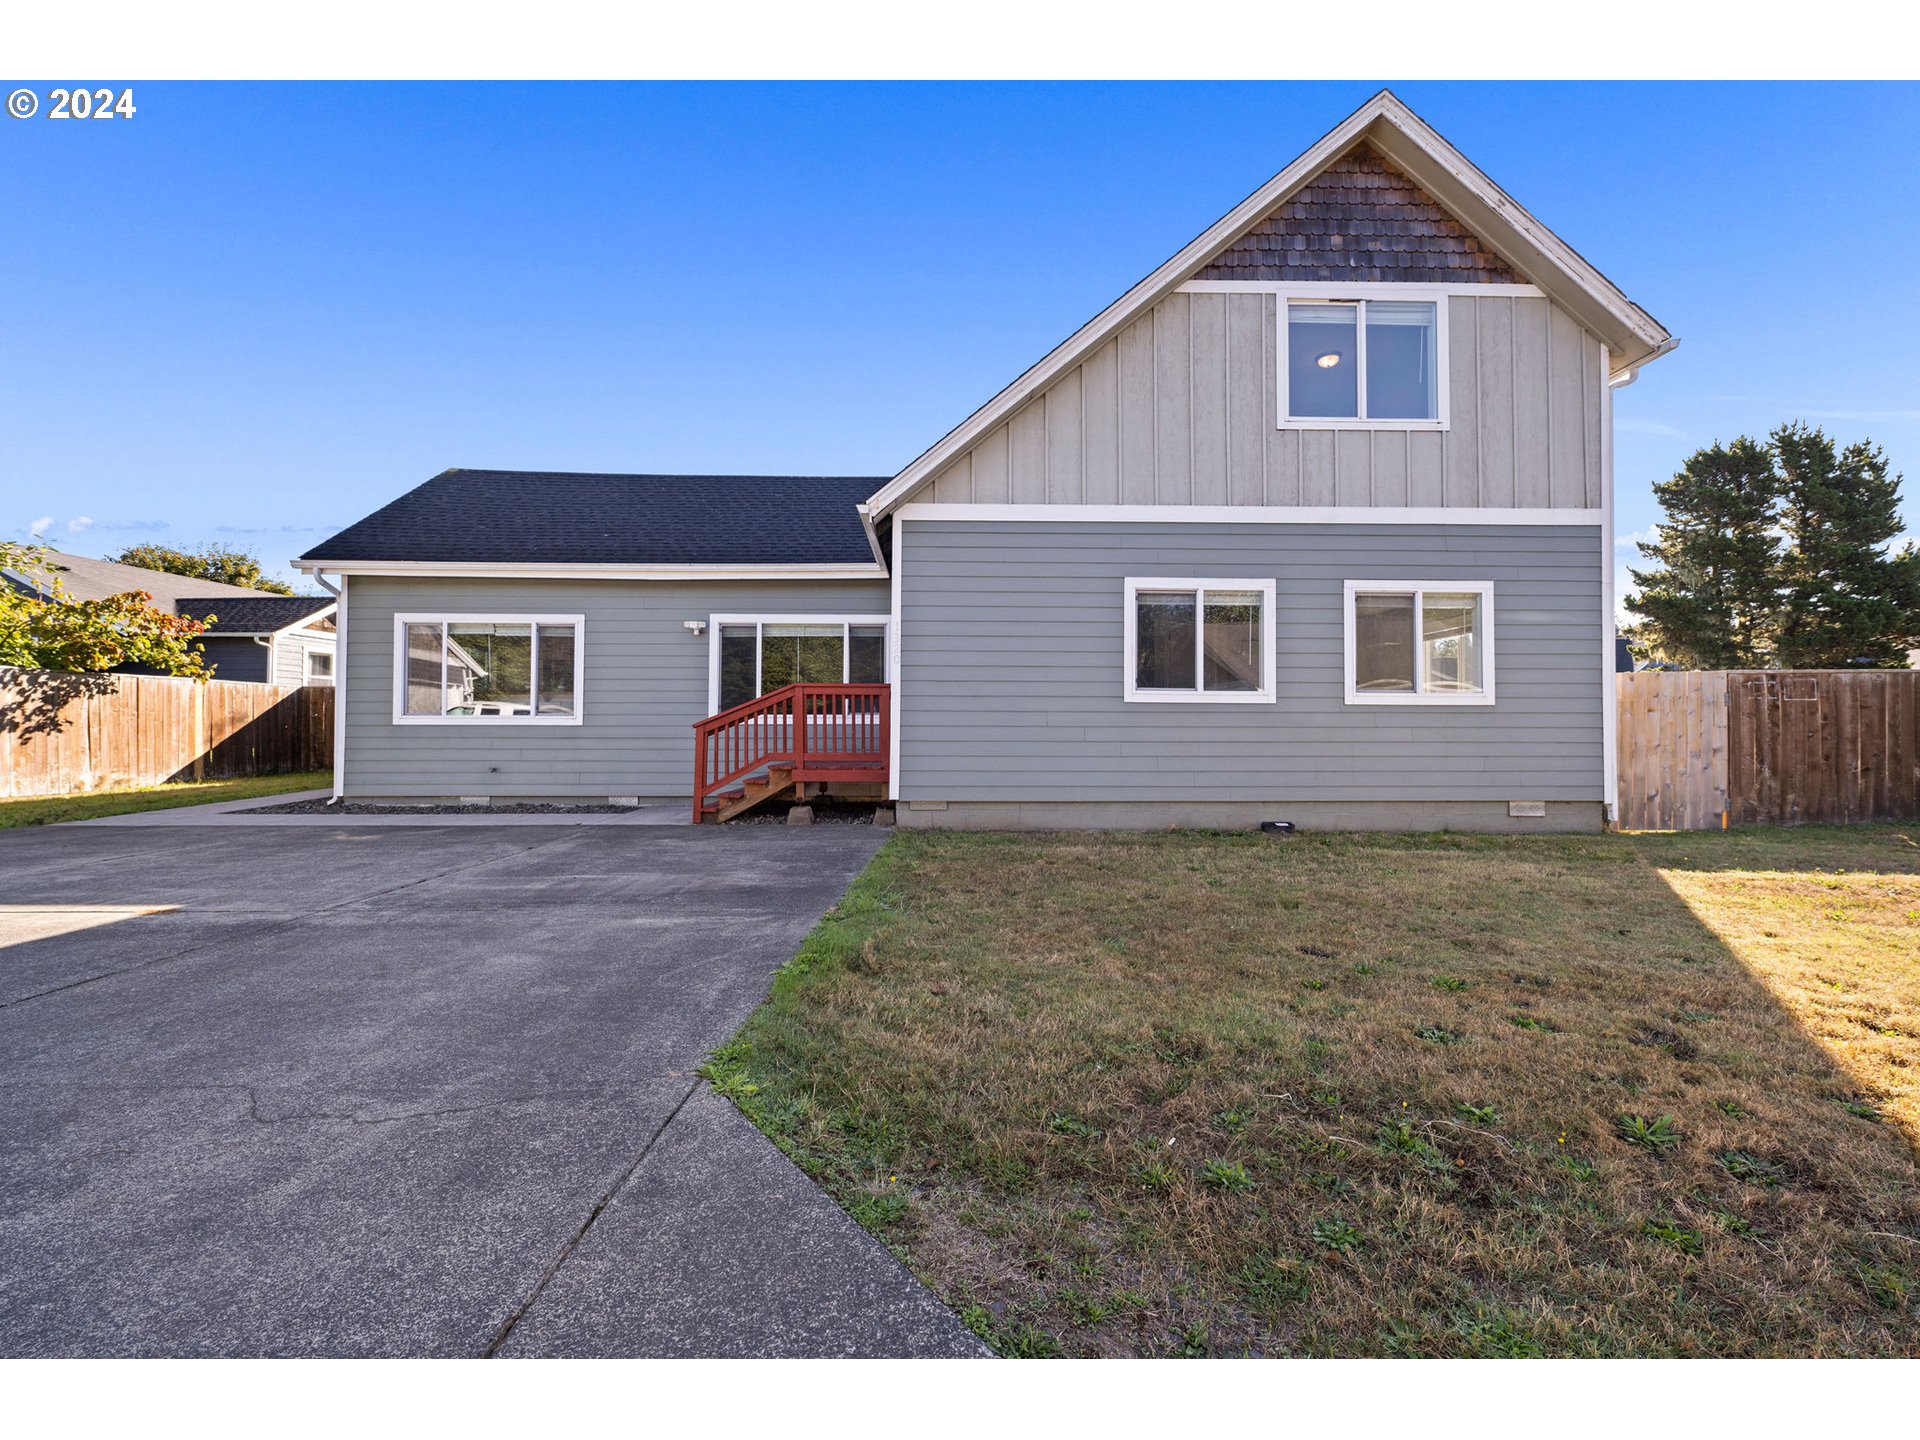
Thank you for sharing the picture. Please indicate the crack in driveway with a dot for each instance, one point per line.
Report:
(505, 1332)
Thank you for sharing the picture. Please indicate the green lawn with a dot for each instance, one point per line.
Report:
(1199, 1094)
(96, 803)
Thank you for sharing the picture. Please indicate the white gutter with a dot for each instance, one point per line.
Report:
(1624, 378)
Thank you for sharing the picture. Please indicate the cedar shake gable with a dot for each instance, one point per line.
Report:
(1361, 218)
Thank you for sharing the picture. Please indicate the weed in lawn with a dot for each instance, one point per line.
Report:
(1192, 1343)
(1447, 982)
(1860, 1110)
(1744, 1166)
(1438, 1034)
(1731, 1223)
(1271, 1282)
(1581, 1170)
(1887, 1285)
(1499, 1337)
(1400, 1138)
(1337, 1187)
(1157, 1175)
(1015, 1342)
(1072, 1125)
(1227, 1175)
(1529, 1022)
(1233, 1122)
(1336, 1234)
(1477, 1114)
(877, 1212)
(1731, 1109)
(1363, 968)
(1656, 1134)
(1314, 982)
(1687, 1242)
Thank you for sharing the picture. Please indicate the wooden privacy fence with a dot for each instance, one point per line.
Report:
(1699, 749)
(61, 734)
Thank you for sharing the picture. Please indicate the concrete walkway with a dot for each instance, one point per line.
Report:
(227, 814)
(362, 1091)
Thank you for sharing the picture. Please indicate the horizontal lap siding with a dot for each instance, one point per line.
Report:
(645, 684)
(1179, 410)
(1012, 641)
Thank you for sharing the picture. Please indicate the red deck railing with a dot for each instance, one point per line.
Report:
(822, 732)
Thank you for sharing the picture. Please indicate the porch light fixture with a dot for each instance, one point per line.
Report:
(698, 627)
(1328, 360)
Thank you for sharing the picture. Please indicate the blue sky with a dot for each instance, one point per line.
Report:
(253, 313)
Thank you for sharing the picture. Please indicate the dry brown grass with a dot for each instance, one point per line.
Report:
(1194, 1093)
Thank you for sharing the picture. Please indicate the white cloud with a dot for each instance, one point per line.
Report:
(79, 523)
(39, 527)
(1631, 540)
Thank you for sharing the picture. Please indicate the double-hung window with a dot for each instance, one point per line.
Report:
(1373, 363)
(753, 655)
(1199, 641)
(1419, 644)
(487, 669)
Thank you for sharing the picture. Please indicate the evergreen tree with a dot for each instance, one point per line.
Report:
(210, 562)
(1846, 600)
(1711, 604)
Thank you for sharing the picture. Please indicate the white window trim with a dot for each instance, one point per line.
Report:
(845, 622)
(1283, 298)
(1417, 589)
(400, 623)
(1133, 693)
(309, 656)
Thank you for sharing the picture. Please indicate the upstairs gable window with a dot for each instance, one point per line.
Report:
(1362, 362)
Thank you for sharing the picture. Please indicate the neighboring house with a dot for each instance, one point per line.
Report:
(1314, 523)
(280, 639)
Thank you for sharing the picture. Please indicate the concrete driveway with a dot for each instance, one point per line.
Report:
(413, 1092)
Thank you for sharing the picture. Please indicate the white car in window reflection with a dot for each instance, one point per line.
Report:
(489, 707)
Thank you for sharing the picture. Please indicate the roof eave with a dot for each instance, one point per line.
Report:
(597, 570)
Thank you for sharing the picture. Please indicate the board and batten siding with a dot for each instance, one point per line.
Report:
(1012, 661)
(1178, 409)
(644, 685)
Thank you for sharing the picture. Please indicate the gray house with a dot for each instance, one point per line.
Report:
(1314, 523)
(251, 634)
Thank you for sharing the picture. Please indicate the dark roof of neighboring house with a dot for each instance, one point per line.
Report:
(554, 517)
(253, 614)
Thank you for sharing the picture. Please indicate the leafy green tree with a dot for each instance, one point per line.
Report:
(59, 633)
(210, 562)
(1846, 598)
(1710, 605)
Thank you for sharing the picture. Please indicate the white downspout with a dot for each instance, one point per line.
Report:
(1609, 684)
(339, 593)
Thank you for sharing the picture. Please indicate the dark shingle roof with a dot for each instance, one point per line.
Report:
(535, 517)
(247, 615)
(1361, 218)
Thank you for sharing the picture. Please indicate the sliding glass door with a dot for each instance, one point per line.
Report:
(757, 656)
